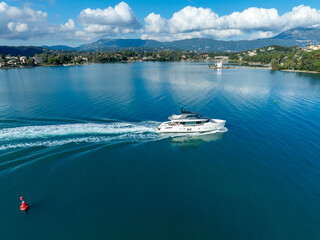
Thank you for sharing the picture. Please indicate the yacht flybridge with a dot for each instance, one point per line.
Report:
(190, 122)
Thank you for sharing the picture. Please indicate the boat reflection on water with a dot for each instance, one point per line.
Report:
(194, 140)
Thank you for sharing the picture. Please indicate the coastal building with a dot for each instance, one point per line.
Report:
(223, 58)
(23, 59)
(37, 60)
(218, 64)
(313, 47)
(252, 53)
(12, 62)
(11, 58)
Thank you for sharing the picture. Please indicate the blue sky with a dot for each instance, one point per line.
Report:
(50, 22)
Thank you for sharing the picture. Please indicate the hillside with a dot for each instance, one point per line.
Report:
(294, 37)
(195, 44)
(283, 58)
(109, 43)
(306, 35)
(22, 51)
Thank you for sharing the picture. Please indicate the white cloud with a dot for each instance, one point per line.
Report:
(18, 27)
(21, 27)
(301, 16)
(252, 22)
(3, 6)
(192, 18)
(155, 23)
(260, 34)
(25, 23)
(251, 18)
(108, 21)
(68, 26)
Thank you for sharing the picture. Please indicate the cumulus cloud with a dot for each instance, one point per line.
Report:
(18, 27)
(108, 21)
(260, 34)
(155, 23)
(26, 23)
(190, 22)
(68, 26)
(203, 22)
(251, 18)
(301, 16)
(192, 18)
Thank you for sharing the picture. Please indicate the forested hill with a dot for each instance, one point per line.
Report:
(195, 44)
(22, 51)
(293, 37)
(291, 58)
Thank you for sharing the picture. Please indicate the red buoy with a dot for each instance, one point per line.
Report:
(24, 206)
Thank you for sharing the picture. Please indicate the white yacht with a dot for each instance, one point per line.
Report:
(190, 122)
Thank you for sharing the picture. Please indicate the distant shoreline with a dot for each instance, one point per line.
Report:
(269, 68)
(254, 67)
(299, 71)
(229, 67)
(244, 67)
(51, 65)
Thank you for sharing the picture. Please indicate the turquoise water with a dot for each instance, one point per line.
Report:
(80, 144)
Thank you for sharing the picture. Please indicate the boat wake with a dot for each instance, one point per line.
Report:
(109, 133)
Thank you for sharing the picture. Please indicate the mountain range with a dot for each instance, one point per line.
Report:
(293, 37)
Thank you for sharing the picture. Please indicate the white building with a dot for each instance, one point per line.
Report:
(11, 58)
(23, 59)
(37, 60)
(253, 53)
(313, 47)
(224, 58)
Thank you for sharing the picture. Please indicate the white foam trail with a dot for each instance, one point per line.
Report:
(48, 131)
(53, 143)
(109, 134)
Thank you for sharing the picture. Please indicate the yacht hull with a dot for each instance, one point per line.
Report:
(213, 125)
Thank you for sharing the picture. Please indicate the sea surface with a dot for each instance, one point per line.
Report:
(80, 145)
